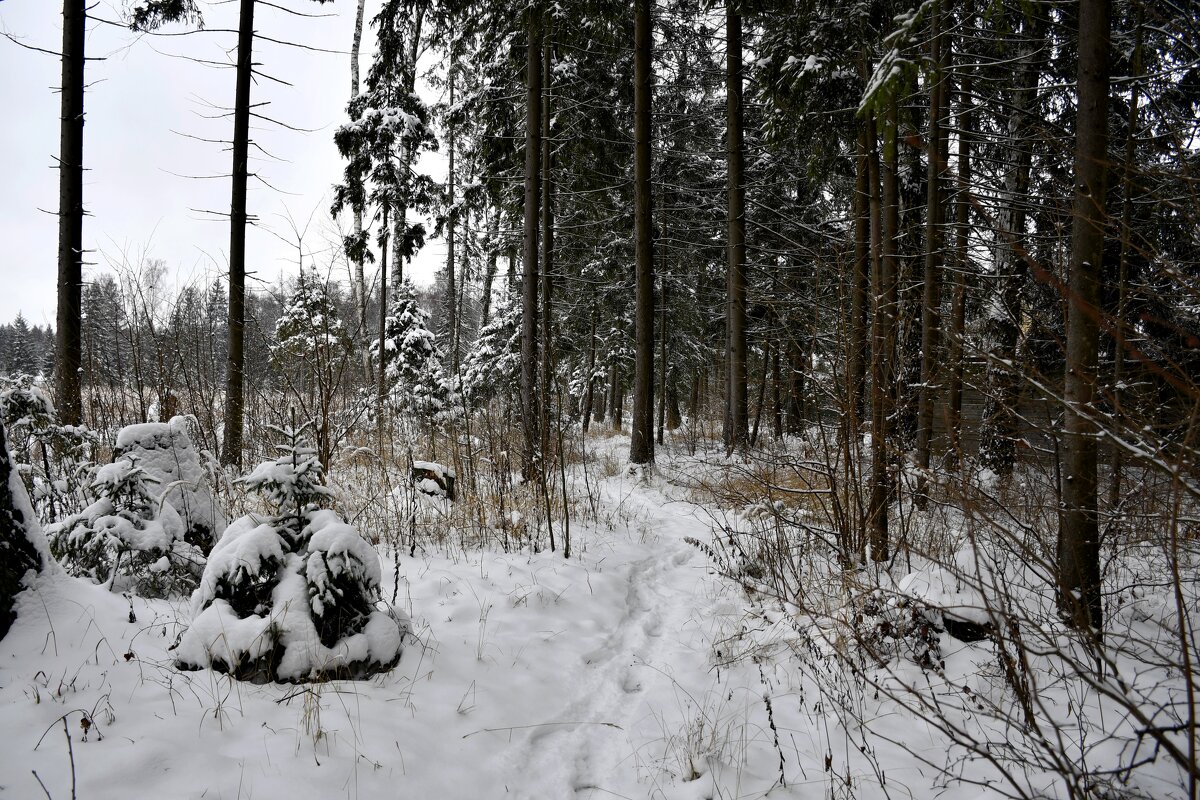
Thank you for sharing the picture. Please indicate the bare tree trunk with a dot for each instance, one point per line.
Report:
(451, 224)
(931, 307)
(737, 420)
(547, 265)
(884, 346)
(590, 392)
(381, 388)
(489, 276)
(999, 433)
(1123, 326)
(68, 343)
(859, 286)
(360, 285)
(529, 297)
(1079, 538)
(231, 452)
(641, 444)
(662, 360)
(958, 309)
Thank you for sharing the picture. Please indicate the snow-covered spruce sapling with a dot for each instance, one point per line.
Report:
(126, 537)
(293, 596)
(53, 459)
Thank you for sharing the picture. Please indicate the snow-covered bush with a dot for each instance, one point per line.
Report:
(126, 537)
(293, 596)
(53, 459)
(165, 453)
(22, 547)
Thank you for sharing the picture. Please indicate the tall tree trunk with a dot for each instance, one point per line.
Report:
(999, 427)
(68, 342)
(1123, 327)
(382, 386)
(231, 452)
(884, 346)
(451, 225)
(856, 351)
(590, 393)
(360, 284)
(547, 265)
(737, 420)
(931, 306)
(1079, 538)
(489, 276)
(641, 445)
(662, 360)
(958, 308)
(529, 296)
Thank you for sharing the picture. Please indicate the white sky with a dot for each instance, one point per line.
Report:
(137, 97)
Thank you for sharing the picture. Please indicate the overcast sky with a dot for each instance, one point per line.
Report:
(141, 98)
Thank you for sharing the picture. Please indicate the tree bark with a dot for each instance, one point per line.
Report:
(529, 295)
(958, 308)
(737, 418)
(231, 452)
(931, 306)
(884, 346)
(1123, 327)
(68, 341)
(489, 276)
(1079, 538)
(999, 429)
(360, 284)
(641, 444)
(451, 224)
(547, 265)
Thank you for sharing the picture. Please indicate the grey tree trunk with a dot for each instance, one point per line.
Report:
(884, 346)
(360, 285)
(231, 452)
(1079, 537)
(641, 445)
(547, 265)
(931, 307)
(856, 354)
(489, 276)
(451, 288)
(1123, 326)
(530, 415)
(737, 418)
(68, 341)
(958, 308)
(999, 434)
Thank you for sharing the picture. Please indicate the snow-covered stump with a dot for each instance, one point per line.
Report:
(293, 597)
(433, 479)
(164, 450)
(22, 545)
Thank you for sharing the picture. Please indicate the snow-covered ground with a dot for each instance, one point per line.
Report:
(527, 676)
(630, 670)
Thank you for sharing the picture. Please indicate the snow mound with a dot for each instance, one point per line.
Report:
(166, 452)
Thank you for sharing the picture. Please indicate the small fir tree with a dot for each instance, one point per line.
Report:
(293, 596)
(127, 537)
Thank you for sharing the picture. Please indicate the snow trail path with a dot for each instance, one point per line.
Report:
(660, 629)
